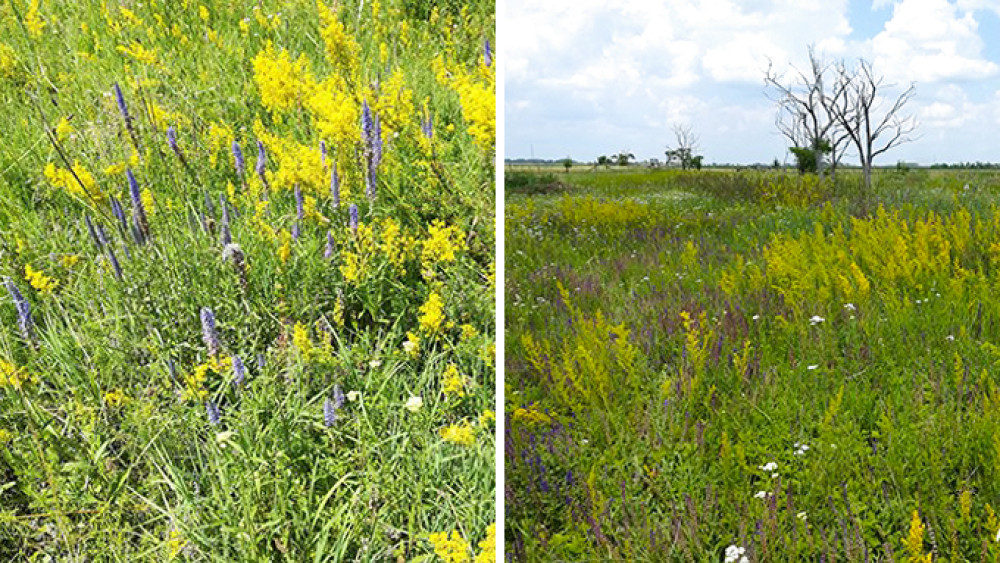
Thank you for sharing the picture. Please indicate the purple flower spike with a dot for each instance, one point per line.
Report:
(335, 186)
(208, 331)
(299, 204)
(238, 158)
(213, 413)
(488, 54)
(120, 99)
(338, 396)
(261, 159)
(331, 246)
(354, 218)
(172, 138)
(138, 210)
(329, 413)
(427, 126)
(24, 319)
(239, 371)
(322, 153)
(93, 232)
(296, 231)
(367, 123)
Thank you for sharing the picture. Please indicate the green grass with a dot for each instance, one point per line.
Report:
(107, 451)
(670, 334)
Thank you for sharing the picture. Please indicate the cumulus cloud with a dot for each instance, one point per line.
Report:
(930, 41)
(627, 70)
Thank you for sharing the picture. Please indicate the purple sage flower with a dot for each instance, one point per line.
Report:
(239, 371)
(427, 126)
(338, 396)
(296, 231)
(138, 209)
(119, 213)
(120, 99)
(172, 140)
(322, 153)
(330, 246)
(213, 413)
(208, 331)
(335, 186)
(367, 124)
(488, 54)
(238, 158)
(261, 160)
(24, 319)
(299, 204)
(329, 413)
(353, 210)
(92, 232)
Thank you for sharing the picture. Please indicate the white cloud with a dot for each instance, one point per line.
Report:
(930, 41)
(590, 76)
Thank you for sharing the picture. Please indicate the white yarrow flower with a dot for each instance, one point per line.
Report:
(816, 319)
(769, 466)
(353, 396)
(413, 404)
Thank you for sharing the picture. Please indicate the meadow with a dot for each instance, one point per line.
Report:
(752, 366)
(247, 252)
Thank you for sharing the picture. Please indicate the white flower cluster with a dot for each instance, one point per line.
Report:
(736, 554)
(801, 449)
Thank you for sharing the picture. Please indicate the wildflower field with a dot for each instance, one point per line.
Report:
(753, 366)
(247, 252)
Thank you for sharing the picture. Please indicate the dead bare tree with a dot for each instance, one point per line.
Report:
(806, 112)
(687, 146)
(874, 123)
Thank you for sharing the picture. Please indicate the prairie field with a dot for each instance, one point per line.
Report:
(247, 256)
(752, 366)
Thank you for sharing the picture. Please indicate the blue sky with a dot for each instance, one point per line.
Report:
(591, 77)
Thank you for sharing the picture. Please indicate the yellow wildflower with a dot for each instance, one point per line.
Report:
(300, 338)
(488, 546)
(63, 129)
(282, 83)
(412, 345)
(220, 138)
(175, 543)
(5, 437)
(432, 313)
(285, 250)
(336, 111)
(195, 381)
(487, 417)
(33, 21)
(14, 376)
(115, 398)
(440, 246)
(69, 260)
(462, 434)
(341, 49)
(8, 62)
(39, 280)
(914, 542)
(452, 383)
(468, 331)
(451, 548)
(148, 202)
(138, 52)
(62, 178)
